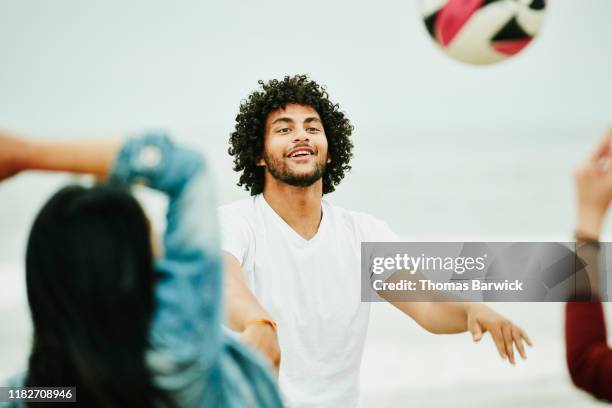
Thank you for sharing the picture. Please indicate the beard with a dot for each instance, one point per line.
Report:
(280, 171)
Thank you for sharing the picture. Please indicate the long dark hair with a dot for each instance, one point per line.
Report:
(90, 280)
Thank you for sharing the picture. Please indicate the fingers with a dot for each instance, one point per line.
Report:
(476, 331)
(518, 342)
(498, 338)
(506, 337)
(508, 341)
(525, 337)
(603, 148)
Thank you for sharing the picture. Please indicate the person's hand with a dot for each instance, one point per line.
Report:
(505, 334)
(12, 151)
(264, 339)
(594, 188)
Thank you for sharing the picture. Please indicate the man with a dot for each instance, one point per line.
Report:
(293, 259)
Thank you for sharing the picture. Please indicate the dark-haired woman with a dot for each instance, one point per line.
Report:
(124, 329)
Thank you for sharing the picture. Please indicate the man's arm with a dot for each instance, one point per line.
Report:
(447, 315)
(458, 317)
(243, 310)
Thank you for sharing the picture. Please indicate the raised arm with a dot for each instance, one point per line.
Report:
(88, 157)
(186, 325)
(589, 359)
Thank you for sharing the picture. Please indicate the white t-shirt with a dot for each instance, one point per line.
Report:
(312, 289)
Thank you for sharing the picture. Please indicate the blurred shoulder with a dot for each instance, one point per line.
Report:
(366, 227)
(243, 207)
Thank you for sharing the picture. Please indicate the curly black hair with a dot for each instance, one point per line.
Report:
(247, 139)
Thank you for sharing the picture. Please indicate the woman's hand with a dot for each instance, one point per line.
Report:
(594, 189)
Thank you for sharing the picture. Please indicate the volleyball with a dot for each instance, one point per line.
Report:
(482, 31)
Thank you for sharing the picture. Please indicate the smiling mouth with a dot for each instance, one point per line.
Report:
(301, 153)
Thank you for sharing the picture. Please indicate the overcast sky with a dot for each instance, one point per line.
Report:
(74, 66)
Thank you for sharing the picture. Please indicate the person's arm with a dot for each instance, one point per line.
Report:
(245, 314)
(447, 314)
(594, 190)
(242, 304)
(186, 326)
(589, 359)
(86, 157)
(186, 323)
(458, 317)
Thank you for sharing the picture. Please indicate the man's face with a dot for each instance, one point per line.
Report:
(295, 146)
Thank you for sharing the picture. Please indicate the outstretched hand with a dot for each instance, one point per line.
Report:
(12, 150)
(505, 334)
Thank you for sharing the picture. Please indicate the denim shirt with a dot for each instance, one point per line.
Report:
(191, 358)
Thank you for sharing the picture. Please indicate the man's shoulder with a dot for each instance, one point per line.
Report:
(243, 203)
(239, 215)
(360, 222)
(243, 207)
